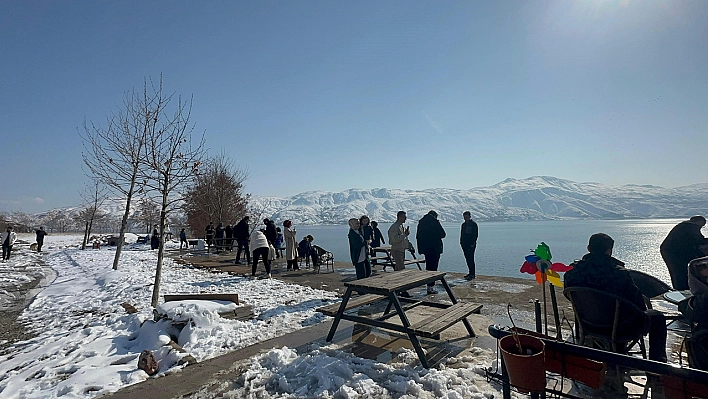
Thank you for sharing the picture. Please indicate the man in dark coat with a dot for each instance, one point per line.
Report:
(219, 237)
(209, 230)
(429, 237)
(682, 245)
(40, 238)
(468, 242)
(241, 234)
(599, 270)
(270, 232)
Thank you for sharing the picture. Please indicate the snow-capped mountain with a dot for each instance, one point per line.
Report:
(534, 198)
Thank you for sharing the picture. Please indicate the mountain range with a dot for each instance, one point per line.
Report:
(533, 198)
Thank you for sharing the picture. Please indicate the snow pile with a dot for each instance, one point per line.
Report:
(328, 372)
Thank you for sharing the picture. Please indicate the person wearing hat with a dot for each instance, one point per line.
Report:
(429, 237)
(683, 244)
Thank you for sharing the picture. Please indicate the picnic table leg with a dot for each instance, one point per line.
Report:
(338, 316)
(467, 324)
(413, 338)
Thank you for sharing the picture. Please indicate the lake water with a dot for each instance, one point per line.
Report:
(502, 246)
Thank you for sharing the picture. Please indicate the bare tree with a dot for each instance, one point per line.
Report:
(113, 154)
(93, 196)
(216, 194)
(23, 222)
(147, 212)
(172, 160)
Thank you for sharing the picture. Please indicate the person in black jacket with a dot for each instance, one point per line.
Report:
(229, 238)
(270, 232)
(682, 245)
(219, 237)
(40, 238)
(209, 232)
(429, 237)
(241, 236)
(599, 270)
(155, 239)
(468, 242)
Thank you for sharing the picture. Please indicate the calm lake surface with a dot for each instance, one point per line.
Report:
(502, 246)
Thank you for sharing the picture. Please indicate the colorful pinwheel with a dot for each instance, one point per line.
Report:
(539, 263)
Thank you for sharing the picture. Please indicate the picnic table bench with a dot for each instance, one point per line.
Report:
(386, 287)
(386, 259)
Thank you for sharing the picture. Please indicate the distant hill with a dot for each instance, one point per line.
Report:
(534, 198)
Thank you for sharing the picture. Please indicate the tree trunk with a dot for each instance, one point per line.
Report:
(123, 226)
(161, 249)
(83, 245)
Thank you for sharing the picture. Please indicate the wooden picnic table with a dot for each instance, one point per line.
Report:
(386, 259)
(386, 287)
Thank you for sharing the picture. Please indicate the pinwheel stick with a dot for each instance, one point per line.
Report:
(545, 312)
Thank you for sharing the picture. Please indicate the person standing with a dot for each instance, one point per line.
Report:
(241, 236)
(378, 239)
(8, 240)
(259, 242)
(290, 245)
(183, 239)
(398, 238)
(600, 271)
(270, 232)
(279, 243)
(40, 238)
(468, 241)
(682, 245)
(155, 239)
(429, 237)
(209, 230)
(219, 237)
(358, 249)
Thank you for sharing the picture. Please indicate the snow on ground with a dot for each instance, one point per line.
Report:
(88, 345)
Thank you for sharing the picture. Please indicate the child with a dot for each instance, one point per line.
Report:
(279, 243)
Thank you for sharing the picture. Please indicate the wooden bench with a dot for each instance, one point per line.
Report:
(444, 318)
(416, 262)
(331, 310)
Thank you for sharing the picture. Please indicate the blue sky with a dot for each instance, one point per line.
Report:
(330, 95)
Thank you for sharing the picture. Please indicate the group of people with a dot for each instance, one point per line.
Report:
(266, 243)
(364, 236)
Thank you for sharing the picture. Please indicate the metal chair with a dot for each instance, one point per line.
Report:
(324, 257)
(607, 321)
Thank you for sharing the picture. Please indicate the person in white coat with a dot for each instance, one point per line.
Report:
(259, 243)
(8, 240)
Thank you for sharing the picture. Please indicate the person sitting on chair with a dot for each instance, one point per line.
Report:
(599, 270)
